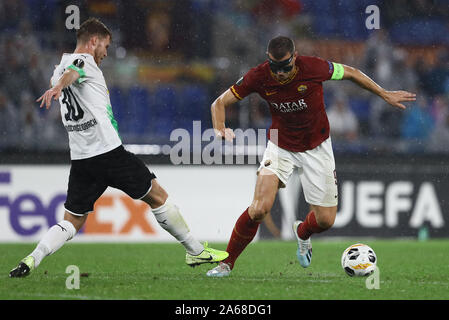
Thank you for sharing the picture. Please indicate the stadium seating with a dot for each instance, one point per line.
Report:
(362, 109)
(118, 103)
(423, 31)
(163, 110)
(139, 110)
(194, 105)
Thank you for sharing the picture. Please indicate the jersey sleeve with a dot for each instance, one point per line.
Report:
(244, 86)
(322, 70)
(78, 65)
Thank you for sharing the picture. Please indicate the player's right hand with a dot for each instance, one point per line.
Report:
(226, 133)
(54, 92)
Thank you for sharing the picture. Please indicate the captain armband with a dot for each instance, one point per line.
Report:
(339, 71)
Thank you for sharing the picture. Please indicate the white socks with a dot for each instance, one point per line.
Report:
(170, 219)
(167, 215)
(54, 239)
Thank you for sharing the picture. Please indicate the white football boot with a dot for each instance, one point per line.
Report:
(304, 252)
(222, 270)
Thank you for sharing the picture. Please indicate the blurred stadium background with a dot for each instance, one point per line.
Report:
(169, 60)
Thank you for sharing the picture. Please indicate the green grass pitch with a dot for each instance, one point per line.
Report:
(267, 270)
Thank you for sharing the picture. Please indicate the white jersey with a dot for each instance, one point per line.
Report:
(86, 108)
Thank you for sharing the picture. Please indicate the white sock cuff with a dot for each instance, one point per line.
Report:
(163, 208)
(69, 227)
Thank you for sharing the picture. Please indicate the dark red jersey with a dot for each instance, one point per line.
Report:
(296, 105)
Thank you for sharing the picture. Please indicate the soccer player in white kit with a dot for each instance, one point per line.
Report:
(98, 159)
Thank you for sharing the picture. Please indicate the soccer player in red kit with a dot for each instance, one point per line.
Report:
(299, 138)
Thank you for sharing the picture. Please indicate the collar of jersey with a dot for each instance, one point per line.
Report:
(85, 53)
(286, 80)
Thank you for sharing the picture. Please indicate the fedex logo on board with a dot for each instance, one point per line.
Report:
(30, 204)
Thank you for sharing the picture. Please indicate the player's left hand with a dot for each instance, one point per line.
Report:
(396, 97)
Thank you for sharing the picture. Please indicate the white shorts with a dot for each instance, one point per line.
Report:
(316, 171)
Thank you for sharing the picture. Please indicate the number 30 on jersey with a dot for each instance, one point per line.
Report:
(74, 111)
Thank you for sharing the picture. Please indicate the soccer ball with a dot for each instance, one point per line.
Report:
(358, 260)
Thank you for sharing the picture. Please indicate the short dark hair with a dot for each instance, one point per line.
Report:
(92, 27)
(278, 47)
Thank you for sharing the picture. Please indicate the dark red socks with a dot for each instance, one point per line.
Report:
(309, 227)
(244, 231)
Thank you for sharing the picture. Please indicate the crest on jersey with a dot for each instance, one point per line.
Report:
(239, 81)
(302, 88)
(79, 63)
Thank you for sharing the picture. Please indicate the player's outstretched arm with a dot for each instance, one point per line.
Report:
(219, 115)
(392, 97)
(69, 77)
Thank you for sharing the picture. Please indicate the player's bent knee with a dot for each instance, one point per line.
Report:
(76, 221)
(157, 195)
(325, 216)
(326, 223)
(258, 215)
(259, 212)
